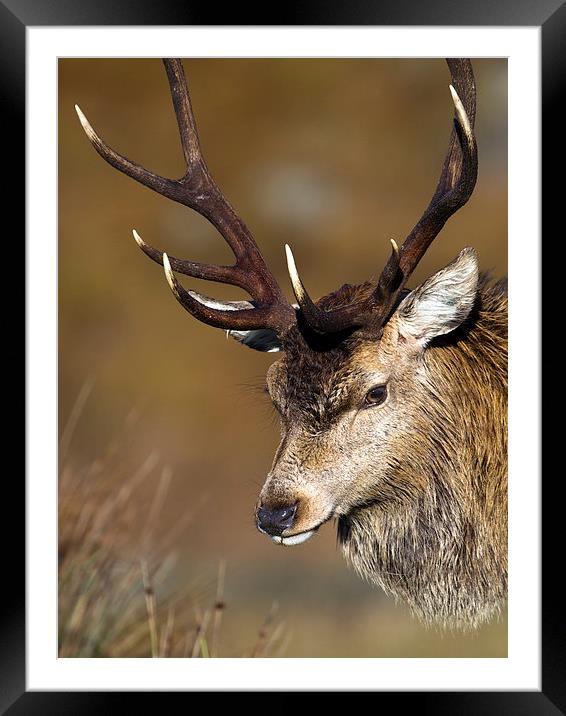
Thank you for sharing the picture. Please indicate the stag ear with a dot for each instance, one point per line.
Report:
(262, 339)
(442, 302)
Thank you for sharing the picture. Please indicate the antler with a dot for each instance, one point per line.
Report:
(455, 186)
(197, 190)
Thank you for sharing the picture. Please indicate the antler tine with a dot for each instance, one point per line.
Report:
(197, 190)
(227, 318)
(459, 172)
(318, 320)
(209, 272)
(454, 188)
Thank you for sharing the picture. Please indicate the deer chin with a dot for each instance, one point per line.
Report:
(294, 539)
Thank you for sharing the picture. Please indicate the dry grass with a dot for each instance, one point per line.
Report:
(116, 600)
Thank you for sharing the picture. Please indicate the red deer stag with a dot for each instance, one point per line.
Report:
(393, 402)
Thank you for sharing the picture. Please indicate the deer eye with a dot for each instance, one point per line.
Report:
(376, 396)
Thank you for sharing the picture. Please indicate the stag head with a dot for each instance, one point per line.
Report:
(350, 387)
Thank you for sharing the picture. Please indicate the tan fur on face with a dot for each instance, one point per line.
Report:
(419, 484)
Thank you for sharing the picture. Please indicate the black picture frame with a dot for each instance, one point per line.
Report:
(15, 16)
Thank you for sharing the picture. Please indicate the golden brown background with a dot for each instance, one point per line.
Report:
(333, 156)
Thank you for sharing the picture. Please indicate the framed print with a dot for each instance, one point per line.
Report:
(149, 436)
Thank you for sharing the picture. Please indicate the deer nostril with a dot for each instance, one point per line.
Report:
(276, 521)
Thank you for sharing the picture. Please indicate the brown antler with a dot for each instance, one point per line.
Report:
(455, 186)
(197, 190)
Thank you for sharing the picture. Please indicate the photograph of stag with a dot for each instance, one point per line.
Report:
(391, 394)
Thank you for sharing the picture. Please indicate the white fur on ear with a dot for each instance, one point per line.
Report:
(262, 339)
(443, 301)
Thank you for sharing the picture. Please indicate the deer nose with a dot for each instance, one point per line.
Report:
(275, 521)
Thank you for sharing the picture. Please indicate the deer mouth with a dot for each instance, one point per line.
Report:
(298, 538)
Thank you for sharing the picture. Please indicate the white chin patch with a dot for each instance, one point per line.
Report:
(293, 539)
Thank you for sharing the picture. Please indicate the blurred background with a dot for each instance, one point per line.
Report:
(333, 156)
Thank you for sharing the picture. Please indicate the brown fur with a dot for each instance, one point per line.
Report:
(420, 489)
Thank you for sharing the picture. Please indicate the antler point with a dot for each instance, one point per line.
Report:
(294, 275)
(91, 134)
(138, 239)
(169, 275)
(461, 114)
